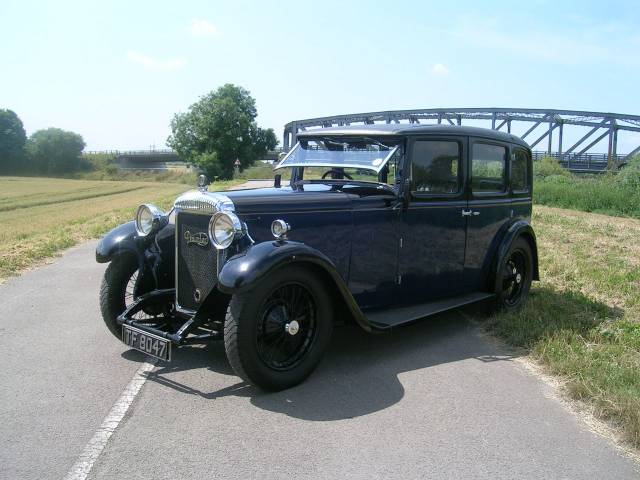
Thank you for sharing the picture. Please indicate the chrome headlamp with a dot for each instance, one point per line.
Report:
(149, 219)
(224, 227)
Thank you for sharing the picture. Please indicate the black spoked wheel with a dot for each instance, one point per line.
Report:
(117, 293)
(515, 276)
(130, 297)
(287, 328)
(275, 334)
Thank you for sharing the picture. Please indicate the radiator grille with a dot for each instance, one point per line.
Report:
(196, 260)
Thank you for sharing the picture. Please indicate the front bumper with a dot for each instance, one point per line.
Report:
(178, 328)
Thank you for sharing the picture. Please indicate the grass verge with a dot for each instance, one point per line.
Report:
(582, 321)
(608, 193)
(41, 216)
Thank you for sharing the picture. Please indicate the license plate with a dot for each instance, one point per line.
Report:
(148, 343)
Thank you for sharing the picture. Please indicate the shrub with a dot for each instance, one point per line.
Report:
(548, 166)
(629, 176)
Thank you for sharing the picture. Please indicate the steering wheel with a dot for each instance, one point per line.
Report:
(339, 172)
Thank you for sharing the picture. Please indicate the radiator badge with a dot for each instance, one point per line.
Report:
(199, 238)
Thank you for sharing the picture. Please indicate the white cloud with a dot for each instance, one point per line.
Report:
(202, 28)
(439, 69)
(151, 63)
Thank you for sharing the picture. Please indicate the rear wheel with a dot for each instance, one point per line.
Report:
(514, 276)
(276, 334)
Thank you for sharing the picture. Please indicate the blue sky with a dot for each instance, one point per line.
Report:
(116, 72)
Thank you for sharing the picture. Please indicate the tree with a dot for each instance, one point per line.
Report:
(55, 151)
(220, 128)
(12, 142)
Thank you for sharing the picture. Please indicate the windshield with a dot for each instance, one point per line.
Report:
(360, 153)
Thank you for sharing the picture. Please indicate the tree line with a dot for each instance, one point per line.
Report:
(48, 151)
(216, 133)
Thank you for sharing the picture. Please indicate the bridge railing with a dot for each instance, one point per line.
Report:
(585, 162)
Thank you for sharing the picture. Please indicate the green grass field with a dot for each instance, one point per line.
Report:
(41, 216)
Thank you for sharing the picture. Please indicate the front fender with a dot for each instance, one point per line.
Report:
(241, 272)
(121, 239)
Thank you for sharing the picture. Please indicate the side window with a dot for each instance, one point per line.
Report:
(435, 166)
(488, 168)
(519, 170)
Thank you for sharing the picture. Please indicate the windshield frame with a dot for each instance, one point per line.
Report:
(377, 169)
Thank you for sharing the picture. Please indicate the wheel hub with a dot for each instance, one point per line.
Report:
(292, 328)
(518, 278)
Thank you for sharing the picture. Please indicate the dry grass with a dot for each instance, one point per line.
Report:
(41, 216)
(582, 321)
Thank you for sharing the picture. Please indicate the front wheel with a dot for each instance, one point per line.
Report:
(275, 335)
(117, 293)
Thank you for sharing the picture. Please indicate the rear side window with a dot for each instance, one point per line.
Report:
(488, 168)
(519, 170)
(435, 167)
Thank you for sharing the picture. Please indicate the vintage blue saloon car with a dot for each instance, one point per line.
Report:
(380, 225)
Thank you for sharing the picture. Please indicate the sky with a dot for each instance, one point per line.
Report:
(117, 71)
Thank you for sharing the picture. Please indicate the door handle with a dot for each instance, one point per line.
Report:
(468, 213)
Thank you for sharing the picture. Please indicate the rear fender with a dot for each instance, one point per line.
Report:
(520, 228)
(243, 271)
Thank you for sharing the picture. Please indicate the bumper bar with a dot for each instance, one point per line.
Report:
(182, 335)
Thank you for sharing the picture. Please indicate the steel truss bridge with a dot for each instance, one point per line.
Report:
(541, 128)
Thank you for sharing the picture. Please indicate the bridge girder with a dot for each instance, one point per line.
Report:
(605, 122)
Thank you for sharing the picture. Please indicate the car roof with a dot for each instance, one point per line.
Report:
(403, 129)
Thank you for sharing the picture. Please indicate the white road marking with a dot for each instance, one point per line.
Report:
(94, 448)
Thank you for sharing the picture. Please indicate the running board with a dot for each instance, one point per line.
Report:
(389, 318)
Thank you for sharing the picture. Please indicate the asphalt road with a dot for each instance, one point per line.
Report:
(434, 400)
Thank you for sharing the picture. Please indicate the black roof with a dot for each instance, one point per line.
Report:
(401, 129)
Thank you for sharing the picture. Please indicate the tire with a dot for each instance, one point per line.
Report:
(262, 315)
(113, 291)
(514, 277)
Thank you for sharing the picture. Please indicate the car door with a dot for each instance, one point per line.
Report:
(489, 205)
(432, 226)
(374, 251)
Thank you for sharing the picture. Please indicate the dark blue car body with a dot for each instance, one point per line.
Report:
(389, 254)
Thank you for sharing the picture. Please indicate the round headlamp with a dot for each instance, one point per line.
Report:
(279, 229)
(223, 229)
(149, 218)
